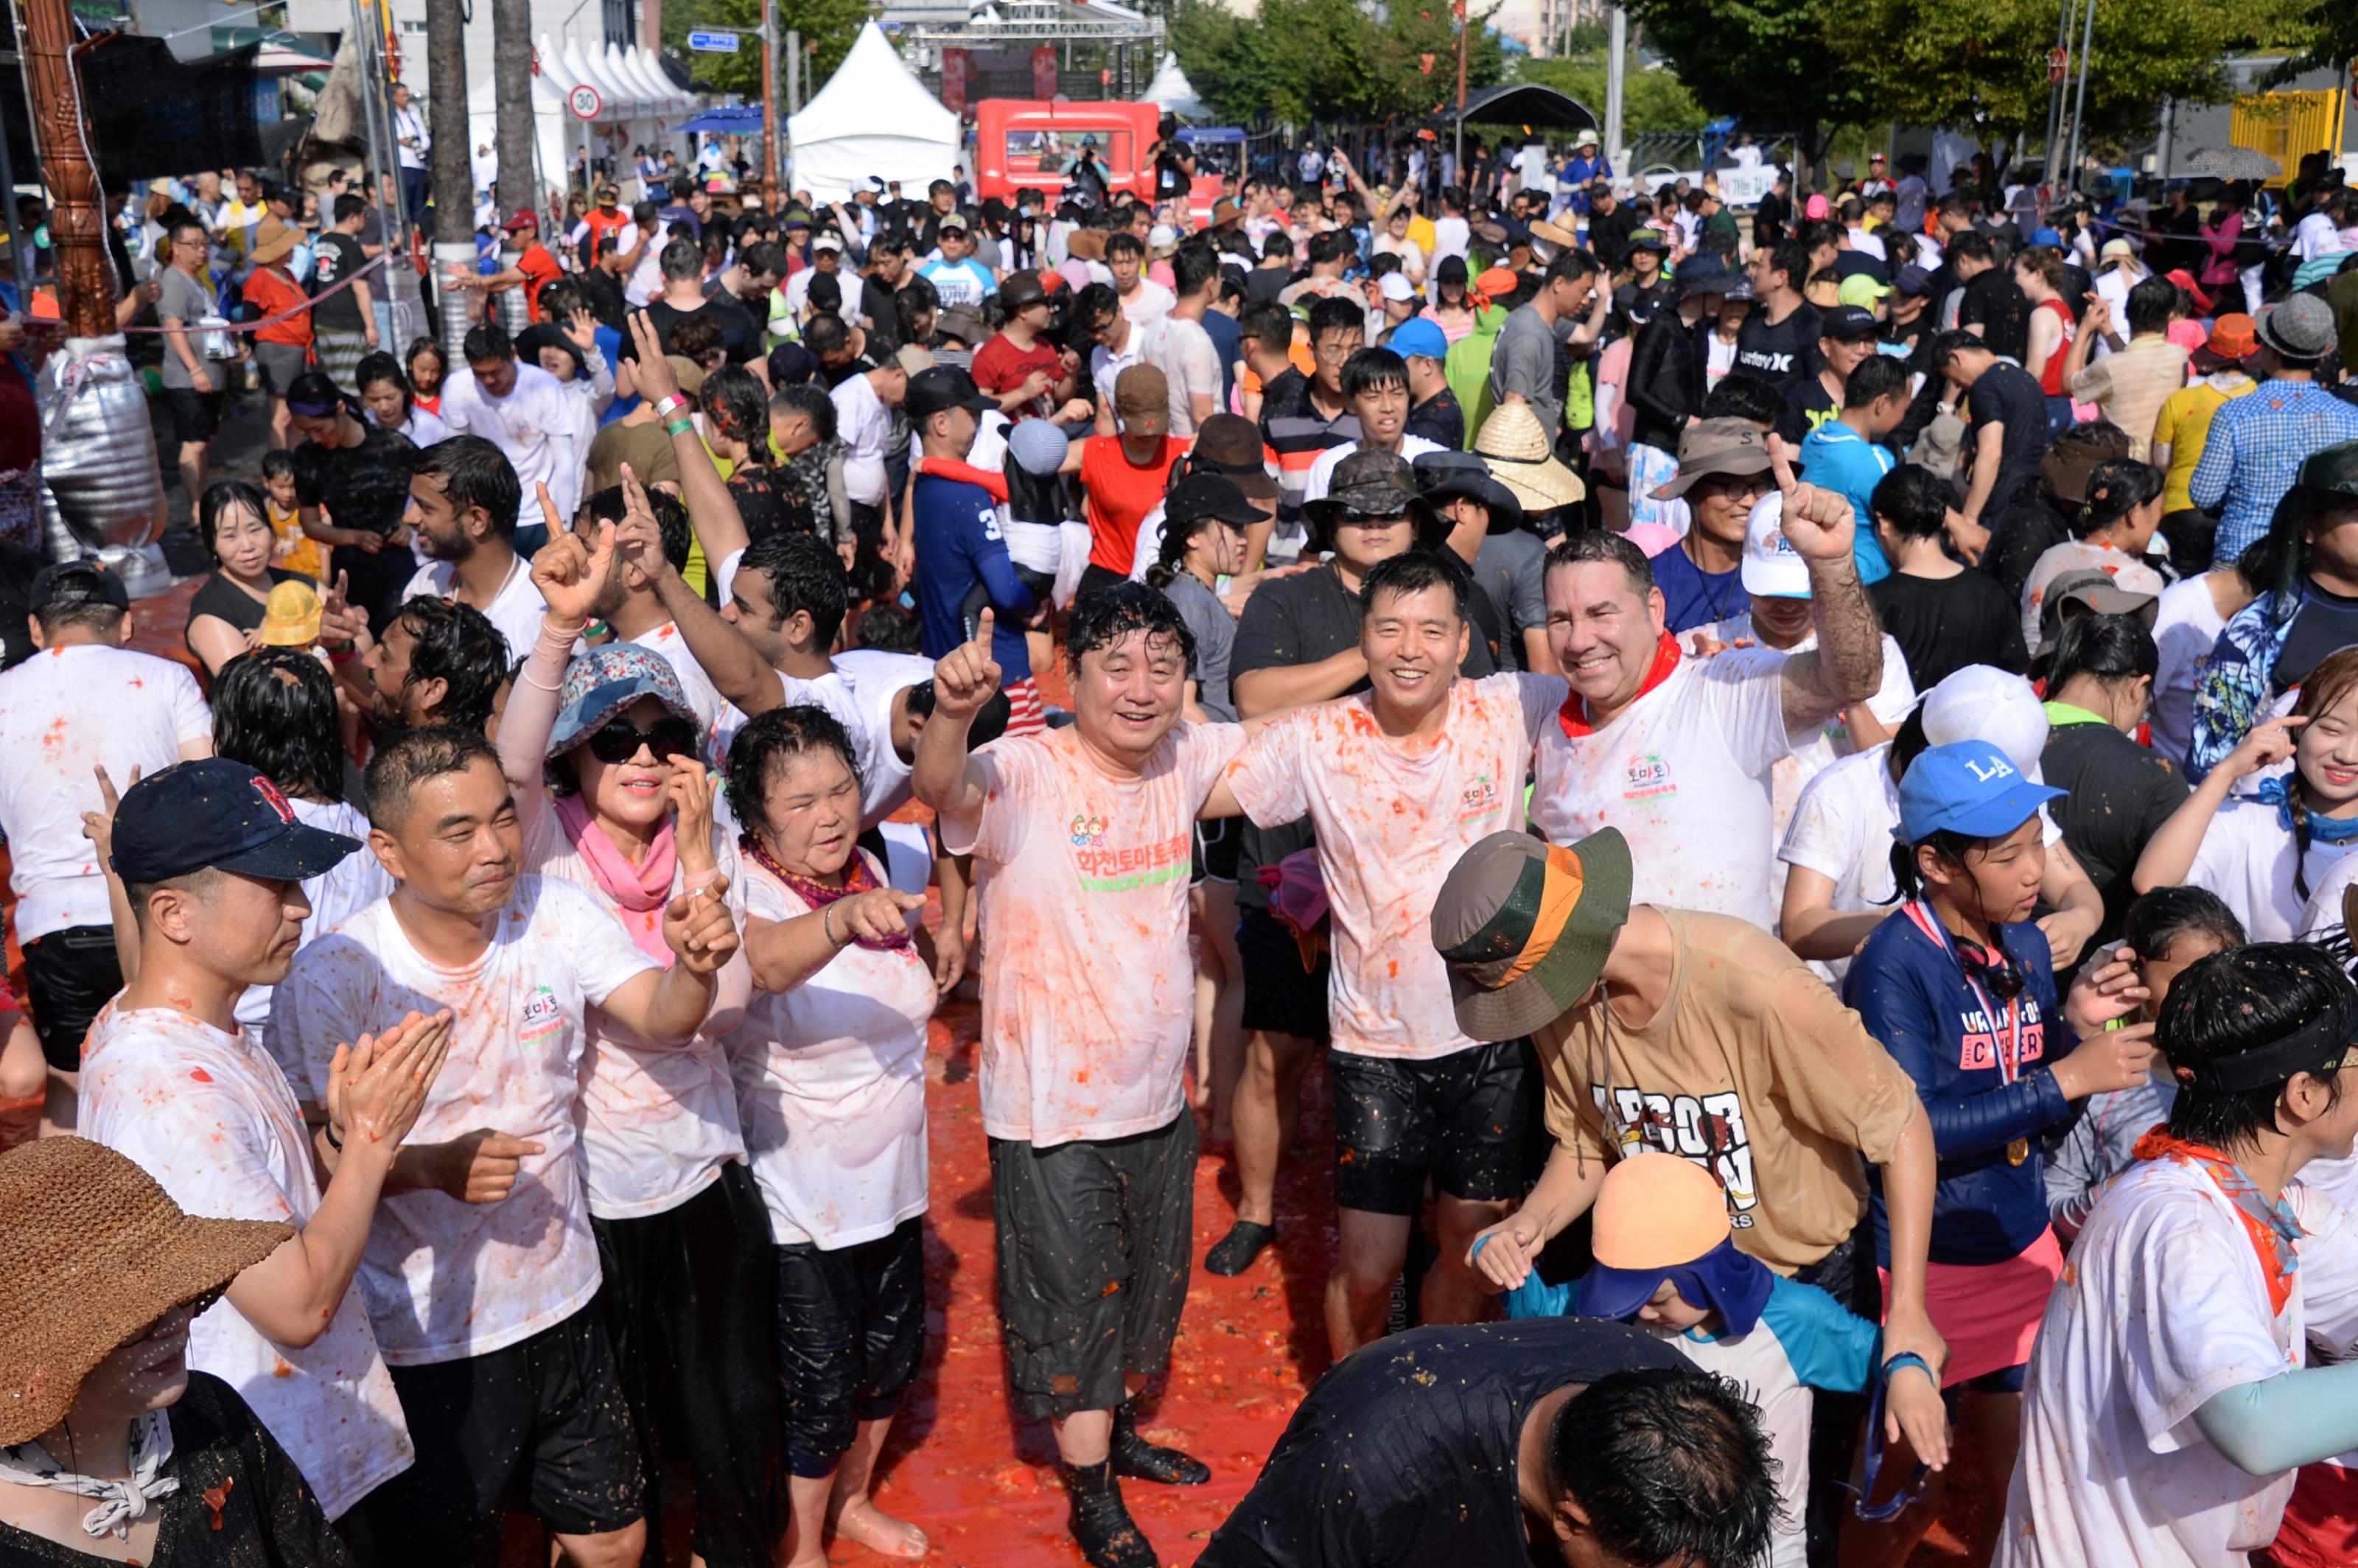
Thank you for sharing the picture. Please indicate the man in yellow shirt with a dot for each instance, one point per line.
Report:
(2183, 426)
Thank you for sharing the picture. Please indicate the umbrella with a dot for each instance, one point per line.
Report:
(2234, 163)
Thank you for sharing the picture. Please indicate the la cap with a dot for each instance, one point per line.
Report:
(1525, 927)
(1772, 568)
(214, 813)
(1969, 788)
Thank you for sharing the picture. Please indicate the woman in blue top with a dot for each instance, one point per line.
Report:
(1960, 991)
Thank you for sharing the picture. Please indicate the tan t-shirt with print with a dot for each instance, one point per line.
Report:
(1752, 1069)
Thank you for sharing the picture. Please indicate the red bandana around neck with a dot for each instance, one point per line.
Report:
(1573, 714)
(2269, 1225)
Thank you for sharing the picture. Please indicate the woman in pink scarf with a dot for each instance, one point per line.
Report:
(605, 758)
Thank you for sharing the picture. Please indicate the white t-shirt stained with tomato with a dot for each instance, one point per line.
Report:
(831, 1085)
(1683, 773)
(210, 1116)
(1088, 1000)
(447, 1280)
(1392, 817)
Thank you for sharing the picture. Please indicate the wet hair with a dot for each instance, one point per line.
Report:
(1878, 376)
(1102, 617)
(1334, 313)
(1580, 547)
(1122, 242)
(767, 744)
(2156, 922)
(1094, 306)
(1949, 345)
(810, 400)
(2117, 487)
(1670, 1465)
(277, 463)
(889, 629)
(475, 473)
(738, 406)
(457, 645)
(219, 498)
(762, 257)
(376, 366)
(487, 341)
(1740, 396)
(826, 332)
(274, 711)
(1372, 370)
(416, 757)
(670, 513)
(681, 258)
(1570, 266)
(2236, 1002)
(1191, 265)
(2335, 676)
(804, 574)
(1270, 324)
(1326, 249)
(2106, 648)
(1414, 571)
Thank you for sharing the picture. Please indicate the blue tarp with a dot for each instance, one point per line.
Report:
(728, 121)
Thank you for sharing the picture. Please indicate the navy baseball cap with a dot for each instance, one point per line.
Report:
(217, 815)
(1968, 788)
(83, 581)
(1844, 322)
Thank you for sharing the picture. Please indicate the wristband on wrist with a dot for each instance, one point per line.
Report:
(665, 406)
(333, 1142)
(827, 924)
(679, 427)
(1900, 1360)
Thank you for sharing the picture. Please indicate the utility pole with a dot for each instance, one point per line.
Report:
(2080, 102)
(770, 105)
(2057, 89)
(1458, 6)
(1617, 51)
(511, 95)
(454, 177)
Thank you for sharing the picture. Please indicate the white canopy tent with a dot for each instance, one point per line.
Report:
(873, 117)
(1173, 94)
(552, 129)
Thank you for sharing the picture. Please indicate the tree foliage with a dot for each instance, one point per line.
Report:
(828, 28)
(1650, 100)
(1768, 63)
(1328, 59)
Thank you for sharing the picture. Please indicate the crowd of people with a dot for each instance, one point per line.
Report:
(1864, 707)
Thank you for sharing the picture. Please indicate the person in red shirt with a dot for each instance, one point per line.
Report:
(1029, 376)
(606, 217)
(1126, 475)
(531, 266)
(282, 347)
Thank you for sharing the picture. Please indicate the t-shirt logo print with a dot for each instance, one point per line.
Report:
(1649, 778)
(269, 792)
(1087, 831)
(1705, 1129)
(543, 1015)
(1478, 799)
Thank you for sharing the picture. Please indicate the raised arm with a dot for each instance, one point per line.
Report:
(943, 775)
(1846, 666)
(570, 578)
(711, 510)
(2170, 854)
(737, 670)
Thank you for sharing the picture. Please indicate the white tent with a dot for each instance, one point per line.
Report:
(554, 134)
(873, 116)
(1173, 93)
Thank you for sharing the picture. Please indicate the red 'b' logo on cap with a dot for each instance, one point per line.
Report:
(269, 792)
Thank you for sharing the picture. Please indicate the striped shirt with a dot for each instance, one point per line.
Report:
(1296, 433)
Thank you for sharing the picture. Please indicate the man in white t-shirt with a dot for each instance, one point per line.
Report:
(481, 1275)
(84, 702)
(1187, 356)
(1082, 838)
(1143, 300)
(864, 402)
(525, 413)
(2178, 1346)
(1119, 342)
(1397, 781)
(1677, 751)
(958, 279)
(462, 504)
(1375, 389)
(214, 860)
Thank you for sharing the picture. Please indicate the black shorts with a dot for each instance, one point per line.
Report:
(69, 976)
(1462, 1118)
(540, 1424)
(1095, 1243)
(1219, 843)
(196, 415)
(851, 1330)
(1281, 996)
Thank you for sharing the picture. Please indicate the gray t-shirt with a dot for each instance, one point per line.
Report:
(1524, 361)
(1215, 631)
(187, 301)
(1511, 569)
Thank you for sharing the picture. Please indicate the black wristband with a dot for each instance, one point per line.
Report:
(333, 1142)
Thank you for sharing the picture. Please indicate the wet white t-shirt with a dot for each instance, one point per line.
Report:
(1088, 997)
(2246, 859)
(831, 1085)
(63, 713)
(2186, 627)
(2164, 1305)
(877, 678)
(1391, 822)
(1683, 773)
(211, 1119)
(447, 1280)
(516, 610)
(356, 882)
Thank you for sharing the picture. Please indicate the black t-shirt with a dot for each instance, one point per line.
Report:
(1608, 234)
(741, 335)
(1914, 337)
(2008, 395)
(2324, 623)
(1171, 177)
(365, 487)
(1438, 419)
(2025, 530)
(1808, 404)
(1942, 624)
(1300, 621)
(1996, 304)
(1781, 352)
(336, 257)
(602, 291)
(2120, 795)
(1408, 1453)
(880, 303)
(1769, 219)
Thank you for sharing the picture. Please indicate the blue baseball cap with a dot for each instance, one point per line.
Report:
(216, 814)
(1420, 337)
(2048, 237)
(1968, 788)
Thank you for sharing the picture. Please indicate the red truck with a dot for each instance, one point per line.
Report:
(1022, 142)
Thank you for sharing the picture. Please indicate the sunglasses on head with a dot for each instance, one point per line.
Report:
(618, 740)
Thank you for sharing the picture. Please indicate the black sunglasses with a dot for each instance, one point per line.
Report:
(618, 740)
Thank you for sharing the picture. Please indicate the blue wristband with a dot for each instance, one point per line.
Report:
(1905, 1358)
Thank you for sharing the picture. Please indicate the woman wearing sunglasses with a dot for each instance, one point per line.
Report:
(603, 753)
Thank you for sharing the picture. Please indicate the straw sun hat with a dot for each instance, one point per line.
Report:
(93, 1253)
(1516, 446)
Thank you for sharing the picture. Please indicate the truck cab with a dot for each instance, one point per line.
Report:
(1024, 142)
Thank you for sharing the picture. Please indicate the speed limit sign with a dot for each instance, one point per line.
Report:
(584, 102)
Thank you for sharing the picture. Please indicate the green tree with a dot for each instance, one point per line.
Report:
(828, 28)
(1328, 59)
(1651, 99)
(1768, 63)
